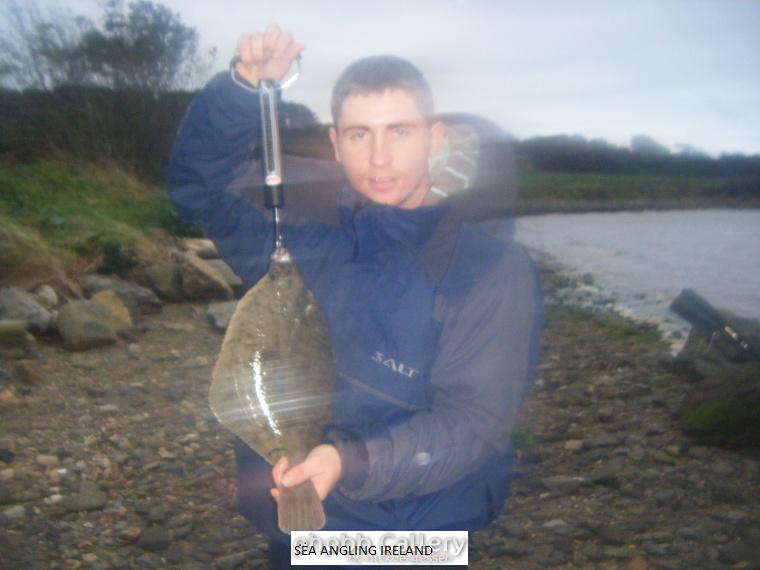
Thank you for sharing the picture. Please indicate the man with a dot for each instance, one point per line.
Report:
(434, 319)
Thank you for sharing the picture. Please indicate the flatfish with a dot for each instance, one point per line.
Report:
(273, 381)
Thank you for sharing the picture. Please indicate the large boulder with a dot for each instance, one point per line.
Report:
(219, 314)
(84, 325)
(119, 320)
(134, 296)
(201, 282)
(166, 280)
(17, 304)
(46, 296)
(226, 271)
(723, 405)
(14, 338)
(203, 248)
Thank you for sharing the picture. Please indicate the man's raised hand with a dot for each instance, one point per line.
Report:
(266, 56)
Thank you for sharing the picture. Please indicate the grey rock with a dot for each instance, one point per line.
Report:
(166, 280)
(651, 547)
(89, 498)
(18, 305)
(668, 497)
(606, 475)
(47, 460)
(515, 529)
(691, 533)
(554, 524)
(15, 337)
(15, 513)
(219, 314)
(46, 296)
(563, 484)
(201, 282)
(135, 297)
(84, 325)
(203, 248)
(612, 535)
(604, 440)
(510, 547)
(226, 271)
(154, 538)
(734, 517)
(619, 552)
(741, 552)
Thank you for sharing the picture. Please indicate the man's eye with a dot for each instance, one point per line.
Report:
(401, 132)
(357, 136)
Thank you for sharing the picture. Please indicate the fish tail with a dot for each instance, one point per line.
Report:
(300, 508)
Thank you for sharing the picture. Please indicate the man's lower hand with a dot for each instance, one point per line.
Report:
(322, 465)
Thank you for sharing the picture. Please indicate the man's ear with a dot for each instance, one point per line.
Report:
(437, 134)
(334, 140)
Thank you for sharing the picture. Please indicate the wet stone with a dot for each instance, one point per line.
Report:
(89, 498)
(154, 538)
(612, 535)
(510, 547)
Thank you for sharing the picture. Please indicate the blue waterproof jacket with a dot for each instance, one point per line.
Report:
(434, 320)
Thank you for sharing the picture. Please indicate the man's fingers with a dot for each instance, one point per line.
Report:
(279, 468)
(299, 474)
(282, 44)
(258, 53)
(271, 37)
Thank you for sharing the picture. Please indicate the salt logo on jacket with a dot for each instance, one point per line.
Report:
(399, 367)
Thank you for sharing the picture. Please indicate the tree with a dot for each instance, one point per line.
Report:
(146, 47)
(645, 144)
(37, 50)
(143, 46)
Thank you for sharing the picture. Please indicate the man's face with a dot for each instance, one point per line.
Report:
(383, 141)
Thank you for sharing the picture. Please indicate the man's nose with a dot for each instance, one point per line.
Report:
(380, 154)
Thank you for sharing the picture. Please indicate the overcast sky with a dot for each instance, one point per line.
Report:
(682, 71)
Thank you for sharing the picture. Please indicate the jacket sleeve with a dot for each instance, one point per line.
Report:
(213, 147)
(487, 352)
(215, 178)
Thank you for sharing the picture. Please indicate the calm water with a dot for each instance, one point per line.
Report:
(644, 259)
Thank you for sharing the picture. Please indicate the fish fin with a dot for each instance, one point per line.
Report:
(299, 508)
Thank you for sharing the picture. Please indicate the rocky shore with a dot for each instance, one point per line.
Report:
(110, 457)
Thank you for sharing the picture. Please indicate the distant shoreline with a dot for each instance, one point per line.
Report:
(541, 208)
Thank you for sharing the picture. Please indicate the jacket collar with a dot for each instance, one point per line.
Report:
(376, 228)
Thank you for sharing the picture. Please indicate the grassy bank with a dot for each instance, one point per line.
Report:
(565, 191)
(57, 216)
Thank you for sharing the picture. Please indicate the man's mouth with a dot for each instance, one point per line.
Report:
(382, 183)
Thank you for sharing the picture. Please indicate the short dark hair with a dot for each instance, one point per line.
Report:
(379, 73)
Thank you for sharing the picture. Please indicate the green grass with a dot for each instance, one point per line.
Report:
(540, 188)
(85, 211)
(68, 204)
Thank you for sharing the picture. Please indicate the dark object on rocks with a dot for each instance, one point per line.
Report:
(723, 407)
(89, 498)
(716, 326)
(6, 455)
(154, 538)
